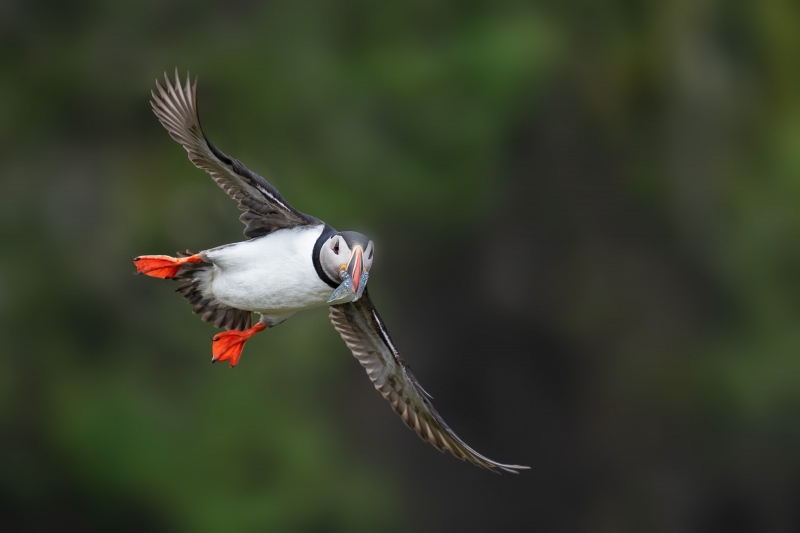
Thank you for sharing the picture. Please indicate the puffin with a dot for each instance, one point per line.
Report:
(289, 262)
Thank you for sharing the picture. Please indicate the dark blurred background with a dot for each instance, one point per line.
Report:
(588, 246)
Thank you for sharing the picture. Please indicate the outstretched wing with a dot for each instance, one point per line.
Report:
(264, 208)
(365, 334)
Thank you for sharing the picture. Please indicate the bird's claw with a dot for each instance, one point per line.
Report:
(228, 345)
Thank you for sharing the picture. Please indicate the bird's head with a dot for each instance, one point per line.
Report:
(346, 258)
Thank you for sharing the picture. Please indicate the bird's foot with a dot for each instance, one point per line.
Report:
(163, 266)
(228, 345)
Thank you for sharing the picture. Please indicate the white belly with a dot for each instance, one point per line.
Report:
(273, 275)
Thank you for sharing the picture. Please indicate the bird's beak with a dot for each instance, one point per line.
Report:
(354, 279)
(355, 267)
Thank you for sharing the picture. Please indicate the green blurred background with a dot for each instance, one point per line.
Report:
(587, 224)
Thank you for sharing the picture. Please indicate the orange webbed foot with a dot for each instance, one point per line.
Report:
(228, 345)
(163, 266)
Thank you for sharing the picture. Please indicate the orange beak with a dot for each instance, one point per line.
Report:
(355, 267)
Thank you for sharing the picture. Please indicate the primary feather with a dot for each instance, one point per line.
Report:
(264, 208)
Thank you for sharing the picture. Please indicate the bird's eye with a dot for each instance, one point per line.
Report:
(370, 254)
(336, 247)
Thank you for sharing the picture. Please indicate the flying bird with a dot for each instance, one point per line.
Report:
(290, 262)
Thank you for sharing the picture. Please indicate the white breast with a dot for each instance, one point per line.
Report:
(273, 275)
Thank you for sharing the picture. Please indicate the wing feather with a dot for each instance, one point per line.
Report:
(264, 208)
(365, 334)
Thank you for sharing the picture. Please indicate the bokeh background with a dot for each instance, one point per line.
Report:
(587, 219)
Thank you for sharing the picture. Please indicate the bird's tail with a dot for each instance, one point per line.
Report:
(195, 275)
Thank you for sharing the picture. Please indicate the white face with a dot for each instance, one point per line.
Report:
(336, 257)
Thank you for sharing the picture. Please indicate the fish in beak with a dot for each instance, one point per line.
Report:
(354, 279)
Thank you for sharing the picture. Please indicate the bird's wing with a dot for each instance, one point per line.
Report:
(365, 334)
(264, 208)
